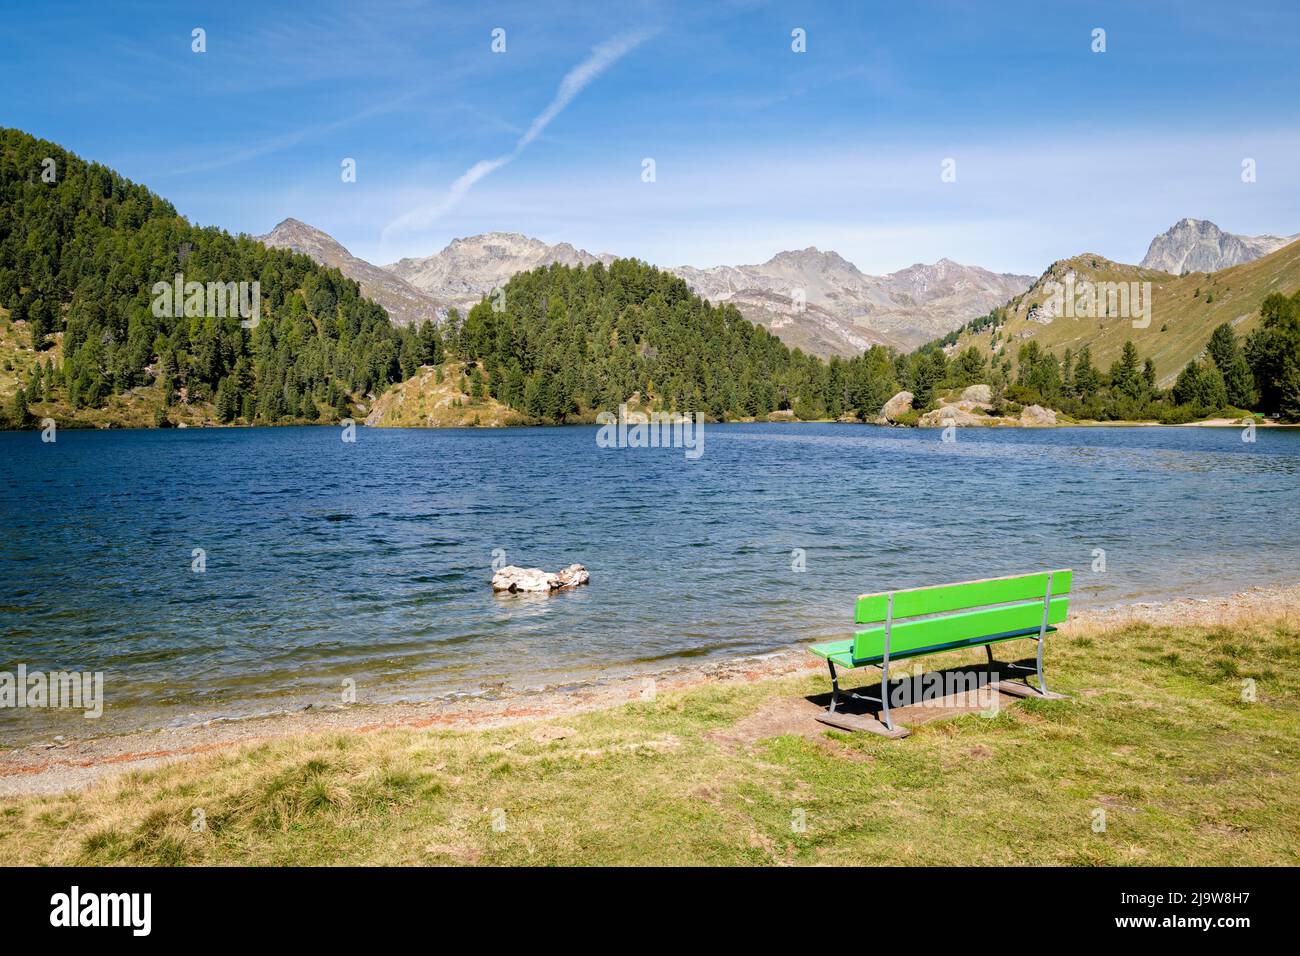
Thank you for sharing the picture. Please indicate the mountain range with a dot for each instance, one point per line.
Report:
(814, 300)
(904, 308)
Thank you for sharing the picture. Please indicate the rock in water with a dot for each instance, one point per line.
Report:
(572, 576)
(511, 578)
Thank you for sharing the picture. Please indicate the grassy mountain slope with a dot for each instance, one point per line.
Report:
(1186, 309)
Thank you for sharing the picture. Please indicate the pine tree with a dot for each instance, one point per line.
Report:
(227, 402)
(1087, 380)
(66, 246)
(1124, 377)
(18, 408)
(1273, 349)
(1289, 394)
(1200, 386)
(40, 323)
(970, 366)
(1149, 376)
(1230, 360)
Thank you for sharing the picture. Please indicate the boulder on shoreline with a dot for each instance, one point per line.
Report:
(952, 415)
(900, 404)
(511, 578)
(1034, 415)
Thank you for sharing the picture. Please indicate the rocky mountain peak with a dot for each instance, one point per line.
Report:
(295, 234)
(404, 303)
(1198, 245)
(470, 266)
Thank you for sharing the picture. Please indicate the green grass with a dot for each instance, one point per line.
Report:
(1156, 735)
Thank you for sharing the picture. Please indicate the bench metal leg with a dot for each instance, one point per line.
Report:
(1042, 635)
(884, 693)
(835, 685)
(884, 665)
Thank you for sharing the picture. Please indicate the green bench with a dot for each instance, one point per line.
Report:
(902, 624)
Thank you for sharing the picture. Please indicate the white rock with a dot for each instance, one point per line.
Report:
(951, 415)
(1037, 415)
(898, 405)
(572, 576)
(977, 393)
(511, 578)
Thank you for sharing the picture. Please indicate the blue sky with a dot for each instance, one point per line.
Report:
(1058, 149)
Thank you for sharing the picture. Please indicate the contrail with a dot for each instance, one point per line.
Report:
(603, 56)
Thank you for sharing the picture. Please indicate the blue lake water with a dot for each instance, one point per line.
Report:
(371, 560)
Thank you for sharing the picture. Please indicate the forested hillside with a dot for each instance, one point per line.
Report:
(80, 251)
(564, 341)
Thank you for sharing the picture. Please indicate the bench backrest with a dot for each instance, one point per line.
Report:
(951, 613)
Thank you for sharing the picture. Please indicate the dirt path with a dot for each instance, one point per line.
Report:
(76, 764)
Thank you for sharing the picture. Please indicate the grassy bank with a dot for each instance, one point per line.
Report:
(1157, 735)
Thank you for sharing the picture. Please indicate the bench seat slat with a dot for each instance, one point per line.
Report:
(954, 628)
(871, 608)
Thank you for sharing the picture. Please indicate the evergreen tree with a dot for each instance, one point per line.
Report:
(1273, 351)
(1288, 388)
(1200, 386)
(18, 408)
(1149, 376)
(41, 323)
(926, 375)
(227, 403)
(1125, 379)
(1087, 380)
(971, 366)
(1230, 359)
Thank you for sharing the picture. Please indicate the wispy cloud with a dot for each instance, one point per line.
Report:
(602, 57)
(286, 140)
